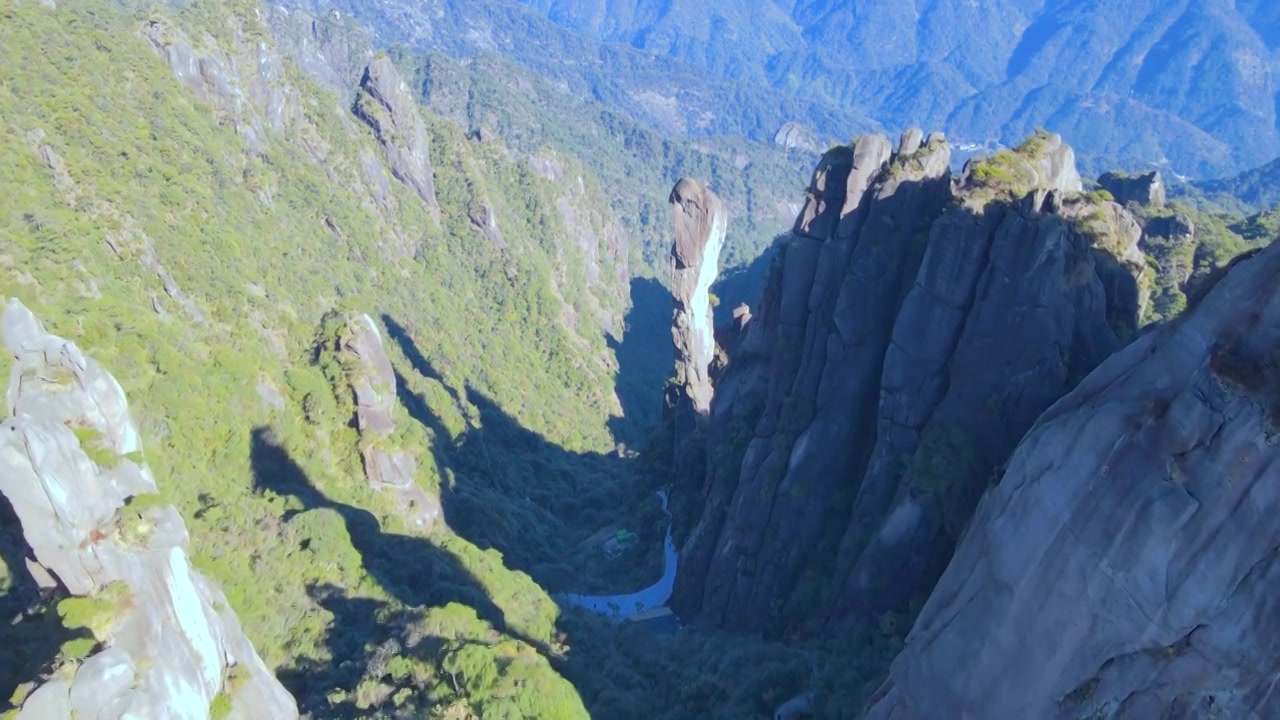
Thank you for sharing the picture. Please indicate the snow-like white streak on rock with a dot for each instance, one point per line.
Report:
(192, 619)
(703, 327)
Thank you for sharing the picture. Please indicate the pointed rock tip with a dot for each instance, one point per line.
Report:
(686, 188)
(18, 325)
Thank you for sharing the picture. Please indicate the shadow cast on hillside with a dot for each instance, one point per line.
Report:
(645, 357)
(509, 488)
(646, 353)
(31, 631)
(412, 570)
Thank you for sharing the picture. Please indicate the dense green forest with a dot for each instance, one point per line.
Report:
(636, 164)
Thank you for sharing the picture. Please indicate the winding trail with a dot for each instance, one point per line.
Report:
(621, 607)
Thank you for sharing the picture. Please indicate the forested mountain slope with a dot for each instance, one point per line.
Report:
(1192, 83)
(221, 232)
(385, 321)
(1187, 84)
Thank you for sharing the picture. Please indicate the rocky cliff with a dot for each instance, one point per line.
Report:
(329, 47)
(1125, 564)
(256, 100)
(912, 329)
(794, 135)
(1146, 189)
(699, 223)
(386, 105)
(389, 462)
(162, 641)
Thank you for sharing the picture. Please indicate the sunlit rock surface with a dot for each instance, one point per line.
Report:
(70, 464)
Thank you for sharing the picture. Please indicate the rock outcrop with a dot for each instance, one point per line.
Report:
(389, 109)
(387, 466)
(168, 644)
(1147, 189)
(911, 330)
(330, 47)
(794, 135)
(485, 221)
(700, 225)
(1043, 161)
(256, 99)
(1125, 566)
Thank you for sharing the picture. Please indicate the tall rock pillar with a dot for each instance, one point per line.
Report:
(700, 224)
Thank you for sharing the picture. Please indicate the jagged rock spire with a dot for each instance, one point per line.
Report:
(700, 224)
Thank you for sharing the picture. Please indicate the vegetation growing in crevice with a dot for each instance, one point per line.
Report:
(1009, 173)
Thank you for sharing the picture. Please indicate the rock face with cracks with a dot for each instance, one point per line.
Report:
(373, 383)
(1126, 564)
(700, 223)
(912, 329)
(70, 464)
(385, 104)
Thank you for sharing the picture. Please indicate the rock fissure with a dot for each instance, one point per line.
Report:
(895, 315)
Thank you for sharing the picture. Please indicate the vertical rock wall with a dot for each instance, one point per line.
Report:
(912, 329)
(700, 224)
(1125, 566)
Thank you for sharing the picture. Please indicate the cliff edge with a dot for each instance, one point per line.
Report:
(1125, 565)
(165, 643)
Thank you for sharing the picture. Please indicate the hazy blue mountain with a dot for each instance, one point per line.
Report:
(1187, 84)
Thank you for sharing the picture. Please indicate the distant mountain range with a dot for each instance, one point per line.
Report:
(1188, 85)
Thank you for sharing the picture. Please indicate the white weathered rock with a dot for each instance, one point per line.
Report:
(172, 644)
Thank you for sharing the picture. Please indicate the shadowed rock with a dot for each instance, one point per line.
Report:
(69, 464)
(1125, 565)
(910, 332)
(1148, 189)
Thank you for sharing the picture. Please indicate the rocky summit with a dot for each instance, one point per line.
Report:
(161, 640)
